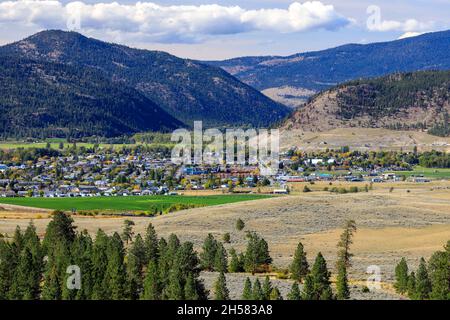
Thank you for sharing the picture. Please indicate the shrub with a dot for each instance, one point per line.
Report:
(306, 189)
(240, 225)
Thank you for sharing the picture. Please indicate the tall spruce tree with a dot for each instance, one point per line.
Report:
(342, 288)
(343, 261)
(412, 286)
(439, 271)
(208, 254)
(115, 276)
(257, 293)
(401, 276)
(247, 292)
(151, 244)
(317, 283)
(220, 288)
(99, 266)
(190, 288)
(234, 266)
(152, 288)
(299, 267)
(423, 283)
(8, 264)
(135, 265)
(220, 259)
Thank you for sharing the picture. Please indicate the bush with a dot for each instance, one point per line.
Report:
(353, 189)
(240, 225)
(226, 238)
(306, 189)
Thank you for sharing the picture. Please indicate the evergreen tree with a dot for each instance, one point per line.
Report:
(190, 288)
(99, 266)
(60, 229)
(317, 283)
(115, 276)
(220, 288)
(294, 294)
(423, 284)
(151, 244)
(247, 293)
(299, 267)
(439, 270)
(8, 264)
(275, 294)
(234, 266)
(208, 254)
(127, 232)
(257, 293)
(152, 289)
(346, 240)
(82, 252)
(342, 288)
(135, 265)
(401, 276)
(55, 276)
(240, 225)
(412, 286)
(23, 284)
(256, 254)
(267, 288)
(220, 260)
(175, 289)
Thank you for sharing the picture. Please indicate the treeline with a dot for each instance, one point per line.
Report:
(430, 281)
(129, 266)
(435, 159)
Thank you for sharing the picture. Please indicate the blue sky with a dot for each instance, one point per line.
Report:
(219, 29)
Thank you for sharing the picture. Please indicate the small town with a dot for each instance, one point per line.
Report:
(135, 172)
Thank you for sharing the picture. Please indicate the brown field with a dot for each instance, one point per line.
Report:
(390, 224)
(363, 139)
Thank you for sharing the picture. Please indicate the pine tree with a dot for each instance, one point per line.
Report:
(220, 288)
(82, 252)
(423, 284)
(208, 254)
(115, 276)
(275, 294)
(299, 267)
(164, 266)
(127, 232)
(234, 266)
(175, 289)
(8, 264)
(247, 293)
(401, 276)
(345, 241)
(151, 244)
(317, 283)
(256, 254)
(257, 293)
(267, 288)
(60, 229)
(439, 270)
(135, 265)
(54, 279)
(23, 284)
(342, 288)
(152, 289)
(220, 259)
(99, 266)
(190, 288)
(412, 286)
(294, 294)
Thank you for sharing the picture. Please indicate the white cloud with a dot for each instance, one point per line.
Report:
(410, 34)
(182, 23)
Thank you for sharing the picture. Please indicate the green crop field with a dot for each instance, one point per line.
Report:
(129, 204)
(426, 172)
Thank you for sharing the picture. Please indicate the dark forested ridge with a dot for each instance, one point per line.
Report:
(418, 100)
(324, 69)
(186, 89)
(46, 99)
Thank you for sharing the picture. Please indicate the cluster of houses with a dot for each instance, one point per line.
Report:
(98, 174)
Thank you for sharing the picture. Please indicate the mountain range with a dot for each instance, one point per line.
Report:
(187, 90)
(294, 78)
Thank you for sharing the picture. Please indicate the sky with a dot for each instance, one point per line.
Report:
(222, 29)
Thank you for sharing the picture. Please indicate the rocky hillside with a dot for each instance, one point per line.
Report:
(418, 101)
(186, 89)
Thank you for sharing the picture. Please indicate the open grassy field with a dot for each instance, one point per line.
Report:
(132, 203)
(426, 172)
